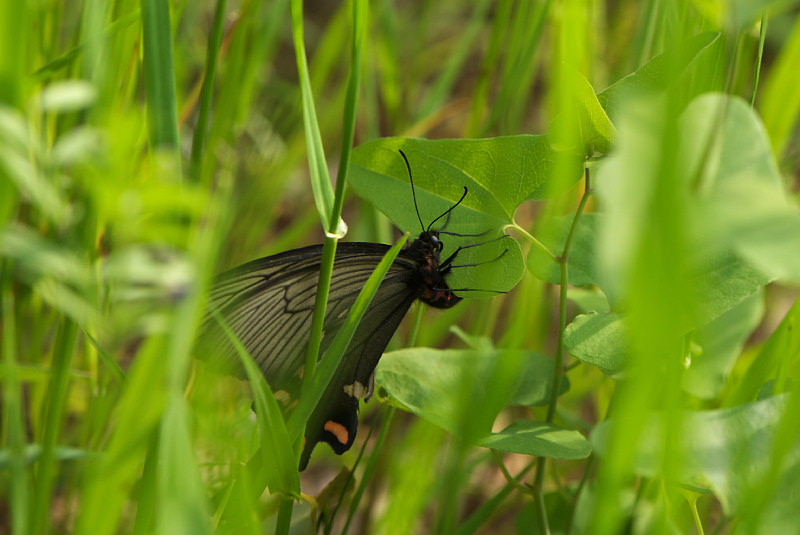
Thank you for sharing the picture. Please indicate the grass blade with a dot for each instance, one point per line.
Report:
(159, 74)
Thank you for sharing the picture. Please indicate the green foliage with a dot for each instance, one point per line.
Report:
(458, 389)
(733, 452)
(631, 366)
(537, 438)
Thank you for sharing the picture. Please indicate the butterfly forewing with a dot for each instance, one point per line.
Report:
(268, 304)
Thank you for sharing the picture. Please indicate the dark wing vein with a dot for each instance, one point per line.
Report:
(268, 304)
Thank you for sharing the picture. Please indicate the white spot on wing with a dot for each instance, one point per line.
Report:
(356, 390)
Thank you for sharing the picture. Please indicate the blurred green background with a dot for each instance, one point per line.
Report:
(145, 146)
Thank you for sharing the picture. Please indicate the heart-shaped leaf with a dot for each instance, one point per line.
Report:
(499, 174)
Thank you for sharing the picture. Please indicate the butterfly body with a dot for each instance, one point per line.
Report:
(268, 303)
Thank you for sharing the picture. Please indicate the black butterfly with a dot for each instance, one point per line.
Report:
(268, 303)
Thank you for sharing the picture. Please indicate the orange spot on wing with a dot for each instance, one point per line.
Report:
(338, 430)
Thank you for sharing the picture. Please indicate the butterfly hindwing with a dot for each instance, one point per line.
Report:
(335, 419)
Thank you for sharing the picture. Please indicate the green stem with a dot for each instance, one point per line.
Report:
(333, 225)
(698, 522)
(350, 110)
(284, 521)
(348, 134)
(509, 478)
(531, 238)
(479, 517)
(558, 368)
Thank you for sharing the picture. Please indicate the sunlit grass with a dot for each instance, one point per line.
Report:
(146, 146)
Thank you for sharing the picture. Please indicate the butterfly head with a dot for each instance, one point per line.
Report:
(431, 241)
(426, 250)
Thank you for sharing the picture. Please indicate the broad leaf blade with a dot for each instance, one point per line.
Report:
(658, 74)
(585, 128)
(499, 173)
(462, 391)
(743, 206)
(541, 439)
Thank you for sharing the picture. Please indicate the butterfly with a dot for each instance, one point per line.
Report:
(268, 304)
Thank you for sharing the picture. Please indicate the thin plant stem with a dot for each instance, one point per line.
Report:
(284, 520)
(479, 516)
(558, 367)
(333, 228)
(558, 371)
(531, 238)
(509, 478)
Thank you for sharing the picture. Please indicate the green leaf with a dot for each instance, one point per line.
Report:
(722, 283)
(531, 390)
(182, 505)
(771, 361)
(779, 104)
(317, 163)
(107, 486)
(462, 391)
(658, 74)
(500, 173)
(583, 266)
(589, 299)
(743, 232)
(535, 383)
(738, 453)
(539, 438)
(585, 129)
(159, 74)
(719, 343)
(598, 339)
(743, 205)
(494, 266)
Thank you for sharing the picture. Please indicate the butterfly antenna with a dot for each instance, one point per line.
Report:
(463, 196)
(413, 190)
